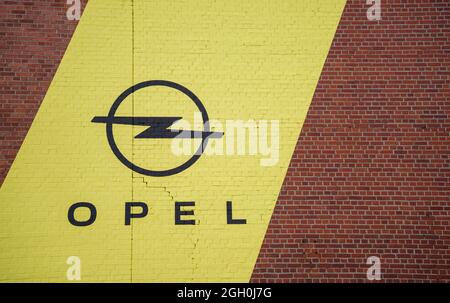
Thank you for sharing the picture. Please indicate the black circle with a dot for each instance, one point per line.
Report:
(148, 172)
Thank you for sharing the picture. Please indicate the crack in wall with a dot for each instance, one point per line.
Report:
(146, 183)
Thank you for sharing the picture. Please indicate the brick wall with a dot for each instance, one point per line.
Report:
(33, 38)
(370, 173)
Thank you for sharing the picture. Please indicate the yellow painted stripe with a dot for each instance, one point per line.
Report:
(245, 60)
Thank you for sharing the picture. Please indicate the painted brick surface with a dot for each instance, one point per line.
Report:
(370, 173)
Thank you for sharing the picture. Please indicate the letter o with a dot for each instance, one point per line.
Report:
(71, 214)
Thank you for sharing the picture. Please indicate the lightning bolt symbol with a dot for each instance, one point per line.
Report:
(158, 127)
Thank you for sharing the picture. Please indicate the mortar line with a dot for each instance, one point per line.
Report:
(132, 131)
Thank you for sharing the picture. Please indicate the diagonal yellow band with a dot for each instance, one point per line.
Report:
(250, 61)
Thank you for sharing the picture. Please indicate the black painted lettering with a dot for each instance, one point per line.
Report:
(129, 215)
(230, 219)
(71, 214)
(179, 213)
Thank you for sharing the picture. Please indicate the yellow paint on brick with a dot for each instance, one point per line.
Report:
(257, 60)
